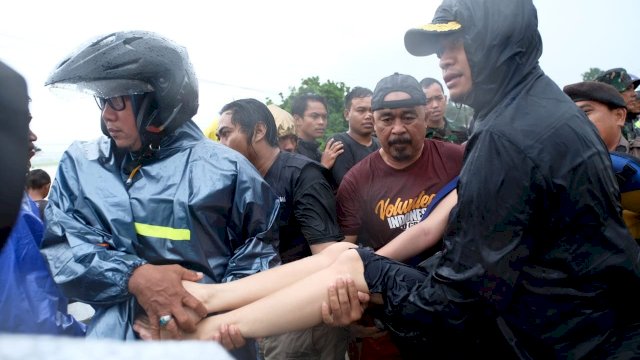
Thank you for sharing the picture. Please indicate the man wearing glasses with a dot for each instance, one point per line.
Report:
(152, 203)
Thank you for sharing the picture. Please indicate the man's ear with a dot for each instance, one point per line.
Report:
(259, 132)
(345, 114)
(621, 116)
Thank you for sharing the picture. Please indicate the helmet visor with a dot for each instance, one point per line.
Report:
(108, 88)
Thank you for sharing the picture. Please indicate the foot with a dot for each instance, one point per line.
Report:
(200, 291)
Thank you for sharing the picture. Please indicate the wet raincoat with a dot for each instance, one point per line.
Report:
(536, 244)
(30, 301)
(195, 203)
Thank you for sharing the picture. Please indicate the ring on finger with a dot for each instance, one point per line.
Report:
(164, 320)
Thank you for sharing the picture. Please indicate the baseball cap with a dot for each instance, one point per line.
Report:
(284, 120)
(397, 82)
(619, 78)
(595, 91)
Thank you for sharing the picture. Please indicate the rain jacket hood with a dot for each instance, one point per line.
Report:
(502, 44)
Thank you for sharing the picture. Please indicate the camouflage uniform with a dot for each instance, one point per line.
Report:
(629, 147)
(449, 133)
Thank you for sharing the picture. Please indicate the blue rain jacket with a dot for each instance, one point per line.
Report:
(30, 301)
(195, 203)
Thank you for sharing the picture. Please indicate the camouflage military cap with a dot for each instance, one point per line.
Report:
(619, 78)
(284, 120)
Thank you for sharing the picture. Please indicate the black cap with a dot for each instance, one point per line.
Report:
(425, 40)
(398, 82)
(595, 91)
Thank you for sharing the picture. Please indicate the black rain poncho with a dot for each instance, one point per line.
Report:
(536, 243)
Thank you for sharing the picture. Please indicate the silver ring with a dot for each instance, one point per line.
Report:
(164, 320)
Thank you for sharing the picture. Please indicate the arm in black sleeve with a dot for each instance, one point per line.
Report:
(315, 206)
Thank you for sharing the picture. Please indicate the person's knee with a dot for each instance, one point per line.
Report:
(350, 260)
(349, 263)
(332, 252)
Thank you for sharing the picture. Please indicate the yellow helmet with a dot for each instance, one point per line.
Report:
(212, 131)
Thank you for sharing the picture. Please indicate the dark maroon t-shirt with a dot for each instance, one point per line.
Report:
(377, 202)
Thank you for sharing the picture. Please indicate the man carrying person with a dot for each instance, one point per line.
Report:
(359, 141)
(307, 223)
(536, 262)
(153, 202)
(438, 127)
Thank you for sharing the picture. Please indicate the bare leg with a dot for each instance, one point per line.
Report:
(290, 308)
(232, 295)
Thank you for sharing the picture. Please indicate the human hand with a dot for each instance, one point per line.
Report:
(331, 152)
(158, 289)
(345, 305)
(229, 337)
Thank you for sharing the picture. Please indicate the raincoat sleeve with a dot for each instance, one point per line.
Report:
(79, 246)
(491, 244)
(252, 227)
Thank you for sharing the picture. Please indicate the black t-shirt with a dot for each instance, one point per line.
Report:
(353, 153)
(307, 205)
(309, 149)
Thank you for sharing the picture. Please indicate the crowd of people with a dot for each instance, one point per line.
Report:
(405, 235)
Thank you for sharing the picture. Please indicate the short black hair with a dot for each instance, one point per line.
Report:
(247, 113)
(356, 92)
(301, 102)
(426, 82)
(37, 178)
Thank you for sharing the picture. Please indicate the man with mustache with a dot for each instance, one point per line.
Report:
(389, 191)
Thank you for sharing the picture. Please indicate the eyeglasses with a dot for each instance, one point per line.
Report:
(117, 103)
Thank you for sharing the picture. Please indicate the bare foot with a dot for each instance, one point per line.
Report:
(200, 291)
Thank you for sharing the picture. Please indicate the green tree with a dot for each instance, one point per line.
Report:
(333, 92)
(591, 74)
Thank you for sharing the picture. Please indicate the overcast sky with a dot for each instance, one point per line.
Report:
(261, 48)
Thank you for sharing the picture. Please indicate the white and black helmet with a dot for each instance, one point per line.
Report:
(132, 63)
